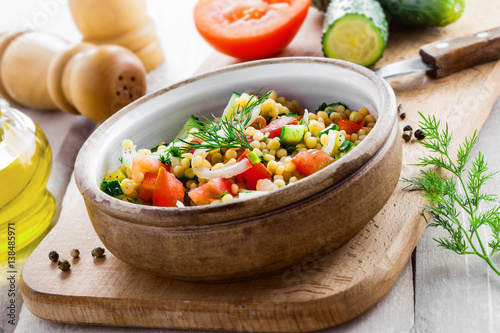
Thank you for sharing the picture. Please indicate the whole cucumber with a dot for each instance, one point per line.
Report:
(423, 13)
(420, 13)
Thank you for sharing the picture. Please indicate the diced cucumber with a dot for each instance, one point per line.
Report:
(346, 146)
(334, 106)
(289, 114)
(355, 31)
(332, 127)
(230, 107)
(424, 13)
(292, 134)
(119, 174)
(112, 187)
(192, 122)
(253, 158)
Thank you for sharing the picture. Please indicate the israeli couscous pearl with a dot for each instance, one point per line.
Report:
(290, 167)
(189, 173)
(178, 171)
(196, 161)
(280, 182)
(227, 198)
(281, 153)
(231, 153)
(127, 144)
(268, 157)
(127, 186)
(311, 142)
(255, 144)
(234, 189)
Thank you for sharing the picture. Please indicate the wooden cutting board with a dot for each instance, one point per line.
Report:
(317, 293)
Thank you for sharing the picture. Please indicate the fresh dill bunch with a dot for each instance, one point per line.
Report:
(225, 133)
(454, 194)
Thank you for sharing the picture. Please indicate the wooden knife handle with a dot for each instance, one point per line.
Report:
(455, 54)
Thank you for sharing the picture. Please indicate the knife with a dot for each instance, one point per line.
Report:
(448, 56)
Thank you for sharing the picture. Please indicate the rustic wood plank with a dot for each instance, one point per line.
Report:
(459, 293)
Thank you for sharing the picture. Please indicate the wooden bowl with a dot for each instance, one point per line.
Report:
(251, 237)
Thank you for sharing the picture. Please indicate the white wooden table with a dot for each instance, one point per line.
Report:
(438, 291)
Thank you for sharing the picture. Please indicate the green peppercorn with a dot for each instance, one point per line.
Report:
(407, 135)
(75, 253)
(53, 256)
(97, 252)
(63, 265)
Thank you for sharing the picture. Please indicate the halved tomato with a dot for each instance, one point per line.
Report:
(250, 29)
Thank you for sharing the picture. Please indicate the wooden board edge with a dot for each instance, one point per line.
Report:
(310, 315)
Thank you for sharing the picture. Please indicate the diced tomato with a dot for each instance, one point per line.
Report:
(165, 166)
(275, 126)
(249, 29)
(349, 126)
(210, 191)
(147, 187)
(168, 190)
(259, 123)
(252, 175)
(311, 161)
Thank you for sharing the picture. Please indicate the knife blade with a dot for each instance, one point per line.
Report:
(448, 56)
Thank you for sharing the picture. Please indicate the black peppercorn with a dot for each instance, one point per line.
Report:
(419, 134)
(97, 252)
(63, 265)
(408, 128)
(407, 135)
(53, 256)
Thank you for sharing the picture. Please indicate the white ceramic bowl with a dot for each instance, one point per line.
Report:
(254, 236)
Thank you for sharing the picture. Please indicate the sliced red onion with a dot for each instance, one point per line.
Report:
(226, 172)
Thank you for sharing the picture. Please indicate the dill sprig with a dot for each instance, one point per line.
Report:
(222, 133)
(456, 194)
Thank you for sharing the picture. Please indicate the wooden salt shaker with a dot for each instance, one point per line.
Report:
(43, 71)
(119, 22)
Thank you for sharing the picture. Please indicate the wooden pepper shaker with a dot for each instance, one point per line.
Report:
(43, 71)
(119, 22)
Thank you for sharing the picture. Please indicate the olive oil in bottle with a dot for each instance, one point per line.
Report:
(27, 208)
